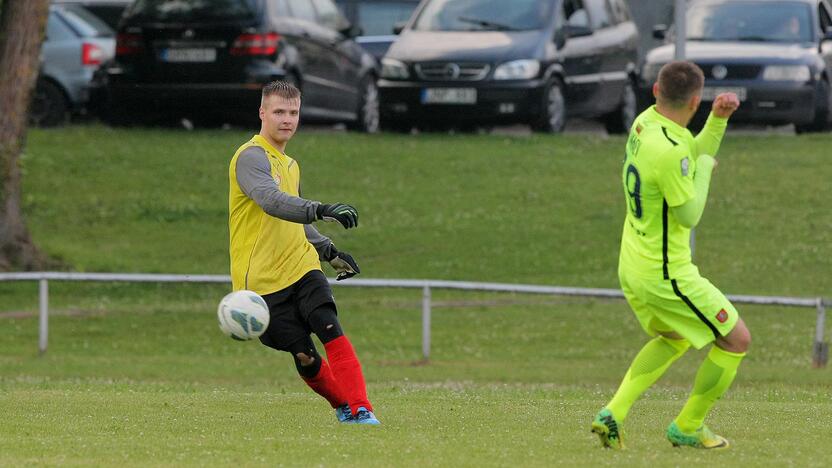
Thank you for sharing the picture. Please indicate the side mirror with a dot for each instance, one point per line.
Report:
(399, 27)
(351, 30)
(660, 31)
(576, 31)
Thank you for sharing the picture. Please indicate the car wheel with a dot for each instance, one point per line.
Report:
(552, 117)
(49, 105)
(822, 114)
(367, 120)
(620, 120)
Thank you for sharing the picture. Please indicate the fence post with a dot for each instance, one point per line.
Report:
(820, 355)
(426, 321)
(43, 294)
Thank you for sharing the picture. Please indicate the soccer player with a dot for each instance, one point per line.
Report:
(276, 253)
(666, 175)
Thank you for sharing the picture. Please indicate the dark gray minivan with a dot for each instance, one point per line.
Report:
(482, 62)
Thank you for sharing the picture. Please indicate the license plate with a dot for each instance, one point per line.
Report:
(189, 55)
(449, 96)
(710, 93)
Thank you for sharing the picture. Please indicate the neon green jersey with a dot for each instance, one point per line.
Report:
(658, 174)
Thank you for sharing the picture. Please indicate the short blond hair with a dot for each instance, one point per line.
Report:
(280, 88)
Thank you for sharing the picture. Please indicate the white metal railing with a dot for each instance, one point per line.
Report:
(820, 347)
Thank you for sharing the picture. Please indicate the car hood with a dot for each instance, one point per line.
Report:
(745, 52)
(475, 46)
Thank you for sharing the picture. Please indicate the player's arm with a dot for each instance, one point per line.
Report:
(255, 179)
(710, 137)
(690, 212)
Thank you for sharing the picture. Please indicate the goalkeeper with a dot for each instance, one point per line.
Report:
(276, 253)
(666, 175)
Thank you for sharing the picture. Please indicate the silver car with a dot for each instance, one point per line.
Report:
(76, 45)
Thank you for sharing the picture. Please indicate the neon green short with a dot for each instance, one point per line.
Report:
(688, 305)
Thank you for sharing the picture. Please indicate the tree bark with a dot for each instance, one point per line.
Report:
(22, 28)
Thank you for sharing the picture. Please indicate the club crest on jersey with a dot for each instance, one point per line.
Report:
(722, 316)
(277, 179)
(685, 167)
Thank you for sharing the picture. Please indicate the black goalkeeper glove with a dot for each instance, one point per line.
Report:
(341, 212)
(344, 264)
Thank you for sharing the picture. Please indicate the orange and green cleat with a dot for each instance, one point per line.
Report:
(608, 430)
(703, 438)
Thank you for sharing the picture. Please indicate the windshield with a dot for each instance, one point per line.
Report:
(194, 10)
(483, 15)
(750, 21)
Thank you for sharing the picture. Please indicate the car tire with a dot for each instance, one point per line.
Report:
(552, 117)
(367, 115)
(620, 120)
(821, 122)
(49, 105)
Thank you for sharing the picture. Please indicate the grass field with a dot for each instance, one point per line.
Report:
(139, 375)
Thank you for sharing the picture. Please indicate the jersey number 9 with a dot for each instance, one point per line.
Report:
(633, 186)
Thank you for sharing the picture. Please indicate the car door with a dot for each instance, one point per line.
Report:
(344, 57)
(61, 55)
(825, 16)
(314, 59)
(581, 62)
(611, 44)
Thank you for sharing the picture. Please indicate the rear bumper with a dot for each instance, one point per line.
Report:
(495, 102)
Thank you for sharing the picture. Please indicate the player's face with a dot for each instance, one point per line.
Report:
(280, 117)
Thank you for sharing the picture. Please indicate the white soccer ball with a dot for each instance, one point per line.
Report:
(243, 315)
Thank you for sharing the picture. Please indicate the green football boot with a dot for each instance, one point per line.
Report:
(703, 438)
(608, 430)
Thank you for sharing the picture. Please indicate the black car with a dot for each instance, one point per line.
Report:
(483, 62)
(377, 20)
(776, 55)
(198, 59)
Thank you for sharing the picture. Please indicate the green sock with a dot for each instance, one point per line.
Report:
(712, 380)
(650, 363)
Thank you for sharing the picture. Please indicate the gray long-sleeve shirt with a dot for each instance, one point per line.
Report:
(255, 180)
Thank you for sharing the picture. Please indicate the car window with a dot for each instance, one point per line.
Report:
(750, 21)
(85, 23)
(600, 14)
(57, 30)
(195, 10)
(280, 8)
(825, 19)
(328, 14)
(378, 18)
(303, 9)
(620, 13)
(483, 15)
(575, 13)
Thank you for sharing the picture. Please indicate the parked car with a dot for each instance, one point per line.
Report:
(377, 20)
(76, 45)
(108, 11)
(776, 55)
(483, 62)
(191, 58)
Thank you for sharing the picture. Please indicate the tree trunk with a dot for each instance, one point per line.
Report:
(22, 27)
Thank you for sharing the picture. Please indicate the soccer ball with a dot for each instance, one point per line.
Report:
(243, 315)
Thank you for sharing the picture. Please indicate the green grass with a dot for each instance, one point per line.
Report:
(139, 375)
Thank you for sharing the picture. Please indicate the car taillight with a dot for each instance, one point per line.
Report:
(255, 44)
(128, 44)
(91, 54)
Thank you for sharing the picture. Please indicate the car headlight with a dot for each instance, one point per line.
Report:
(394, 69)
(786, 73)
(517, 70)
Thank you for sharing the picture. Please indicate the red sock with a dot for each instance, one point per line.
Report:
(347, 371)
(326, 386)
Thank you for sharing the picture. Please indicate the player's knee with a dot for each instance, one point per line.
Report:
(738, 341)
(307, 359)
(324, 322)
